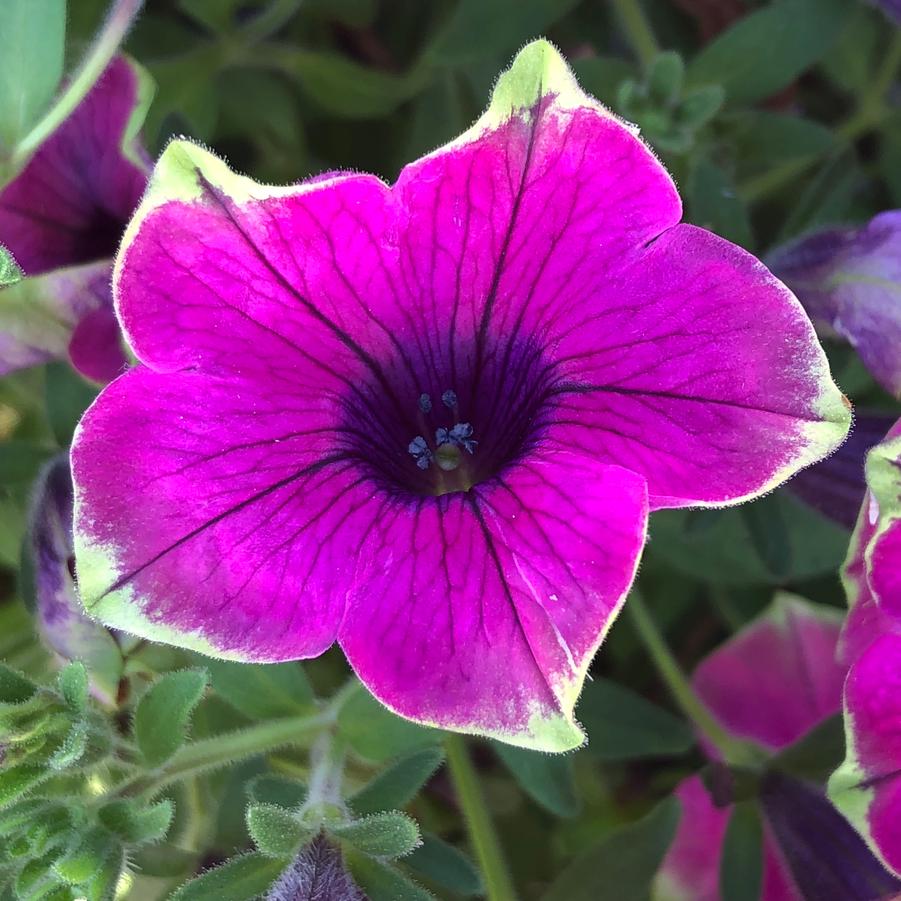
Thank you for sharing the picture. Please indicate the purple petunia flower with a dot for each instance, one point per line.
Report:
(867, 787)
(892, 8)
(775, 705)
(62, 218)
(428, 421)
(849, 281)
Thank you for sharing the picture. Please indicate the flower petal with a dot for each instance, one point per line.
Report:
(70, 203)
(849, 280)
(867, 787)
(701, 371)
(212, 517)
(800, 685)
(58, 610)
(39, 315)
(94, 348)
(464, 613)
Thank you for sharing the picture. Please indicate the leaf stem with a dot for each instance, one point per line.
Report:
(637, 30)
(220, 750)
(121, 16)
(498, 885)
(731, 750)
(870, 112)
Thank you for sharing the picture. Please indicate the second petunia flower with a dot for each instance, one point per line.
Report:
(429, 421)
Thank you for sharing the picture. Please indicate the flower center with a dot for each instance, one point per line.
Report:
(432, 423)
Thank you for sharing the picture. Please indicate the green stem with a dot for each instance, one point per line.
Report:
(498, 885)
(220, 750)
(120, 18)
(270, 20)
(870, 113)
(637, 30)
(730, 749)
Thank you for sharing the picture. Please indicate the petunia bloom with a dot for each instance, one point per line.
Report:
(428, 421)
(798, 686)
(62, 218)
(867, 787)
(849, 280)
(58, 613)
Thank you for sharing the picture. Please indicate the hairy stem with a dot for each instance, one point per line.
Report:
(637, 30)
(730, 749)
(498, 885)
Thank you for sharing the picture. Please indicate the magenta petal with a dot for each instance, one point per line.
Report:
(70, 203)
(700, 370)
(867, 787)
(214, 520)
(95, 348)
(465, 614)
(799, 685)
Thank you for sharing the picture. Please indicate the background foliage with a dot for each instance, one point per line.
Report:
(774, 118)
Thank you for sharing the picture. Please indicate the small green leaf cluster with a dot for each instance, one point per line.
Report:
(669, 115)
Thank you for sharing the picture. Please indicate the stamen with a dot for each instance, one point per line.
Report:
(425, 403)
(421, 452)
(449, 399)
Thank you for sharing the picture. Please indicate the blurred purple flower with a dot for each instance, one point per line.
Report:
(849, 281)
(62, 218)
(892, 8)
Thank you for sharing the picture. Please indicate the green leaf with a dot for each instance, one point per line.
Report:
(376, 733)
(166, 860)
(102, 885)
(164, 712)
(397, 785)
(741, 863)
(86, 859)
(14, 687)
(623, 864)
(10, 273)
(715, 205)
(275, 831)
(601, 76)
(441, 863)
(15, 781)
(768, 138)
(622, 725)
(381, 881)
(768, 49)
(665, 78)
(547, 779)
(478, 30)
(20, 461)
(391, 834)
(344, 88)
(67, 396)
(270, 789)
(262, 691)
(72, 681)
(32, 47)
(135, 824)
(72, 749)
(816, 755)
(239, 879)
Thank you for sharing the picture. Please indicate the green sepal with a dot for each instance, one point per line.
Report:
(102, 885)
(73, 684)
(698, 107)
(16, 816)
(16, 781)
(15, 688)
(271, 789)
(381, 881)
(397, 785)
(36, 878)
(82, 862)
(239, 879)
(72, 748)
(391, 834)
(136, 824)
(275, 831)
(10, 273)
(665, 78)
(164, 713)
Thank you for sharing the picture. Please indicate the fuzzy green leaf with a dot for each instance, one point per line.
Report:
(82, 862)
(135, 824)
(102, 885)
(72, 749)
(270, 789)
(239, 879)
(275, 831)
(446, 866)
(164, 713)
(15, 781)
(391, 834)
(262, 691)
(383, 882)
(396, 786)
(14, 687)
(73, 685)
